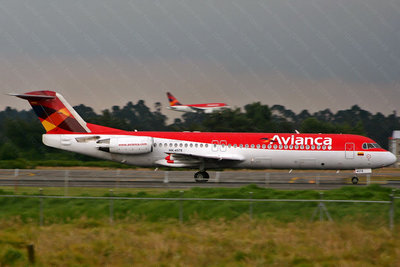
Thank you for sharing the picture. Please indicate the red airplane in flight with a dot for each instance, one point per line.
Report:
(174, 104)
(66, 130)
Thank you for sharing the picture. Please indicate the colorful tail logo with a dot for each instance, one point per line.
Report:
(172, 100)
(54, 112)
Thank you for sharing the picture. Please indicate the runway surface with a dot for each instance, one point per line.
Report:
(184, 179)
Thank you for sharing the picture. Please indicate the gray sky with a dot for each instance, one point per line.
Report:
(303, 54)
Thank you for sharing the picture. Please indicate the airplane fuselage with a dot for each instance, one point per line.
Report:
(206, 108)
(233, 150)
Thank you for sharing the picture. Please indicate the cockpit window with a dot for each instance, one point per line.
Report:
(370, 146)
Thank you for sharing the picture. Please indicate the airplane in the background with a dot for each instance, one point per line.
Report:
(66, 130)
(174, 104)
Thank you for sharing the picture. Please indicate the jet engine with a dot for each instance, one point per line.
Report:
(126, 145)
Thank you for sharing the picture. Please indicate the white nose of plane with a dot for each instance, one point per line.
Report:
(390, 159)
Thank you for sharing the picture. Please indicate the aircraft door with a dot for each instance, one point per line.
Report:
(219, 145)
(224, 144)
(349, 153)
(214, 146)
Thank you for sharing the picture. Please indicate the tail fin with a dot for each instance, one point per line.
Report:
(54, 112)
(172, 100)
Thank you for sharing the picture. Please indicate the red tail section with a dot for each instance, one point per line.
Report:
(54, 112)
(172, 100)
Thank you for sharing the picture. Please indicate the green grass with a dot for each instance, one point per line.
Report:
(214, 233)
(218, 242)
(68, 210)
(77, 191)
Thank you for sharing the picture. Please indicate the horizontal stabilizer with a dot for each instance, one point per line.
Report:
(32, 97)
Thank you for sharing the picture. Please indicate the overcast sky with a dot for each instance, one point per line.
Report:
(303, 54)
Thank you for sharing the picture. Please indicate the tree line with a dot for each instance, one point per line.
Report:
(21, 131)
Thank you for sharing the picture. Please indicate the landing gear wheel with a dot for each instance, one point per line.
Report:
(354, 180)
(201, 177)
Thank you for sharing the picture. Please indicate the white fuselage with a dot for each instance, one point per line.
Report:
(183, 108)
(250, 157)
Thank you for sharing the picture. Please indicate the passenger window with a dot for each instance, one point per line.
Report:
(246, 146)
(206, 145)
(252, 146)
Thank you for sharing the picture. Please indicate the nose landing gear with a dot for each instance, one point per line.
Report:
(201, 177)
(354, 180)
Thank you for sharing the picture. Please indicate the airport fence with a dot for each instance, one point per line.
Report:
(321, 210)
(132, 178)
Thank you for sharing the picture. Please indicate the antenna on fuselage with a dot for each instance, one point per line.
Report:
(297, 132)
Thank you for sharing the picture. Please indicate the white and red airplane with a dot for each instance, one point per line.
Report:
(174, 104)
(66, 130)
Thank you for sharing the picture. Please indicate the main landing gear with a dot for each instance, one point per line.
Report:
(201, 177)
(354, 180)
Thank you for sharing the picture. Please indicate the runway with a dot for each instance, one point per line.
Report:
(184, 179)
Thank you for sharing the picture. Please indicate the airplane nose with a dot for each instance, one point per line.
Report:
(390, 158)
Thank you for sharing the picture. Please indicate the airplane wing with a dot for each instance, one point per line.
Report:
(196, 108)
(220, 156)
(182, 159)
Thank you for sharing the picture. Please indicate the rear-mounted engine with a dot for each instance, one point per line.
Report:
(126, 145)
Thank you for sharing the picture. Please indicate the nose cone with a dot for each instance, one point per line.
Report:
(390, 159)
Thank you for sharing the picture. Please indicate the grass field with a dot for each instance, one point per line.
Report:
(238, 242)
(64, 210)
(148, 233)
